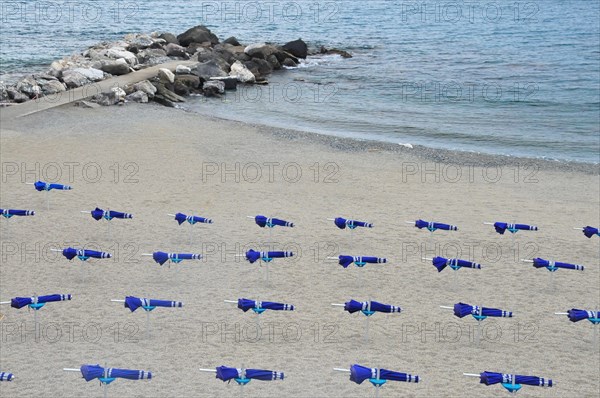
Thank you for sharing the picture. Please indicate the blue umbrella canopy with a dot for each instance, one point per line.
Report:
(263, 221)
(590, 231)
(98, 214)
(252, 256)
(181, 218)
(8, 213)
(342, 223)
(345, 261)
(70, 253)
(133, 303)
(5, 376)
(440, 263)
(91, 372)
(461, 310)
(553, 265)
(576, 315)
(359, 373)
(489, 378)
(353, 306)
(432, 226)
(246, 304)
(162, 257)
(44, 186)
(20, 302)
(501, 227)
(226, 374)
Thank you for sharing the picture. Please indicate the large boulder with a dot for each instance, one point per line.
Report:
(138, 42)
(29, 87)
(297, 48)
(118, 67)
(272, 59)
(342, 53)
(260, 50)
(175, 50)
(197, 34)
(289, 63)
(233, 41)
(138, 96)
(209, 69)
(230, 82)
(3, 94)
(119, 52)
(92, 74)
(16, 96)
(146, 55)
(259, 67)
(216, 57)
(169, 37)
(163, 92)
(242, 73)
(52, 86)
(183, 70)
(115, 96)
(166, 76)
(190, 81)
(213, 87)
(146, 87)
(74, 78)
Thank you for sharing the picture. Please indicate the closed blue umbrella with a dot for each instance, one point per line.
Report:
(37, 302)
(70, 253)
(360, 261)
(433, 226)
(133, 303)
(576, 315)
(502, 227)
(260, 306)
(440, 263)
(263, 221)
(461, 310)
(252, 256)
(370, 307)
(359, 373)
(162, 257)
(8, 213)
(245, 375)
(91, 372)
(5, 376)
(590, 231)
(342, 223)
(555, 265)
(181, 218)
(98, 214)
(491, 378)
(44, 186)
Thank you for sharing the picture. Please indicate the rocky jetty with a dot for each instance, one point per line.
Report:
(216, 67)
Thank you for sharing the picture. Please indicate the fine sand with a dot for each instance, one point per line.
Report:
(150, 161)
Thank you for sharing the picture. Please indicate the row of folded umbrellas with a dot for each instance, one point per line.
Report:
(352, 306)
(263, 221)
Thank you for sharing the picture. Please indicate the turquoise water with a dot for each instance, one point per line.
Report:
(513, 78)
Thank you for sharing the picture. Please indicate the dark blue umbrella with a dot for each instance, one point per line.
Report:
(243, 376)
(501, 227)
(261, 306)
(44, 186)
(263, 221)
(108, 375)
(342, 223)
(461, 310)
(133, 303)
(8, 213)
(181, 218)
(440, 263)
(433, 226)
(5, 376)
(253, 256)
(37, 302)
(370, 307)
(162, 257)
(590, 231)
(490, 378)
(360, 261)
(70, 253)
(359, 373)
(98, 214)
(554, 265)
(576, 315)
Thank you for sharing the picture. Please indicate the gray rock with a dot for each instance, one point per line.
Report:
(289, 63)
(230, 82)
(106, 99)
(209, 69)
(183, 70)
(158, 61)
(29, 87)
(169, 38)
(3, 94)
(16, 96)
(118, 67)
(260, 50)
(92, 74)
(197, 34)
(233, 41)
(242, 73)
(272, 59)
(181, 89)
(53, 87)
(164, 92)
(175, 50)
(146, 87)
(213, 87)
(145, 55)
(164, 101)
(138, 96)
(166, 76)
(73, 78)
(140, 42)
(119, 52)
(190, 81)
(87, 104)
(297, 48)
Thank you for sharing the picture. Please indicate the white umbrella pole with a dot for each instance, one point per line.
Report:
(208, 370)
(341, 370)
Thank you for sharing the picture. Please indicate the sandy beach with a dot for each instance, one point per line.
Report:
(149, 161)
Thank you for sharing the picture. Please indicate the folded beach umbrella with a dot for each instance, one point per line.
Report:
(502, 227)
(91, 372)
(359, 373)
(554, 265)
(37, 302)
(162, 257)
(263, 221)
(245, 375)
(590, 231)
(576, 315)
(433, 226)
(360, 261)
(70, 253)
(260, 306)
(98, 214)
(181, 218)
(44, 186)
(5, 376)
(133, 303)
(253, 256)
(511, 382)
(8, 213)
(461, 310)
(370, 307)
(440, 263)
(342, 223)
